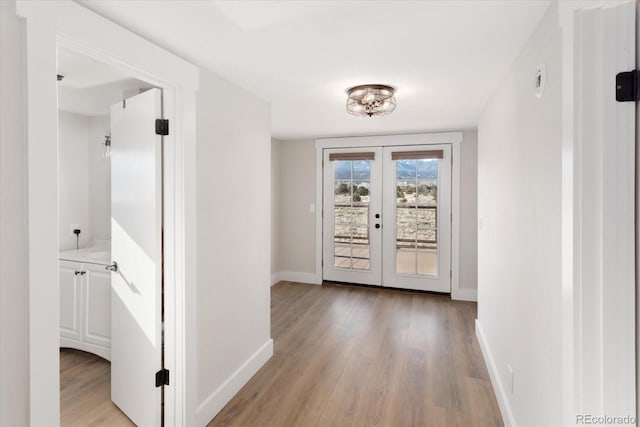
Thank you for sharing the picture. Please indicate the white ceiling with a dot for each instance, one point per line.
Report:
(445, 57)
(80, 71)
(90, 87)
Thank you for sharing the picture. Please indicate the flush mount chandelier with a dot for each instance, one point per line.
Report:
(371, 100)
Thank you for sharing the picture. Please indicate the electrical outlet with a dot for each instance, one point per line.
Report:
(510, 378)
(73, 227)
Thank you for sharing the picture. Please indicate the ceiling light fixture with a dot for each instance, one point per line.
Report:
(371, 100)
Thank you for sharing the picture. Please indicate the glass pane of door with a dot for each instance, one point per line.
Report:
(416, 213)
(352, 184)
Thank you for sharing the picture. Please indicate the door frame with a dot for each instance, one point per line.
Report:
(50, 25)
(453, 138)
(598, 320)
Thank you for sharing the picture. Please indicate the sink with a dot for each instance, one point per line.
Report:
(102, 255)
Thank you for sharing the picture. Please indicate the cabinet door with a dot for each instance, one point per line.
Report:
(97, 303)
(70, 300)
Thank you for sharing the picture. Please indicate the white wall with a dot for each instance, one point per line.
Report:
(99, 179)
(14, 398)
(275, 205)
(519, 240)
(73, 178)
(469, 210)
(233, 232)
(295, 177)
(84, 179)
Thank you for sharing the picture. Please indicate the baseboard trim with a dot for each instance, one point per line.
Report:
(223, 394)
(498, 387)
(296, 276)
(98, 350)
(464, 294)
(275, 278)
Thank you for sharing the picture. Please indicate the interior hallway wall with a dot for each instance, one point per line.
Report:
(14, 374)
(233, 240)
(469, 210)
(519, 239)
(295, 180)
(275, 204)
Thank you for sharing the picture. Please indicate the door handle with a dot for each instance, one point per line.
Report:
(112, 267)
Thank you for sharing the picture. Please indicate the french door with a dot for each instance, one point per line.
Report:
(352, 223)
(387, 216)
(417, 212)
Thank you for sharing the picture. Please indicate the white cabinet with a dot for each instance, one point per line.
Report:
(97, 303)
(69, 304)
(85, 307)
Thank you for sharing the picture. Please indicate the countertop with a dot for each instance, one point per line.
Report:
(92, 255)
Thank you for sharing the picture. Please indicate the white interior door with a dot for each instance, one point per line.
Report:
(417, 213)
(352, 234)
(136, 224)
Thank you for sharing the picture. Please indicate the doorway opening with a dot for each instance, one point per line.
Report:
(71, 26)
(110, 234)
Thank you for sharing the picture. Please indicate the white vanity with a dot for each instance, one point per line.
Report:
(85, 301)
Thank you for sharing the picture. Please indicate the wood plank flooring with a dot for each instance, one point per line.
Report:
(358, 356)
(85, 391)
(344, 356)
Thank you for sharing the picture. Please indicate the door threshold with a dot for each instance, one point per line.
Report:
(390, 288)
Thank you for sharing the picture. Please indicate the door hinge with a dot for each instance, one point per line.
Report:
(162, 127)
(162, 377)
(627, 87)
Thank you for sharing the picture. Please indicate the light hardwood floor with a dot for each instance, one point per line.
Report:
(85, 391)
(358, 356)
(344, 356)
